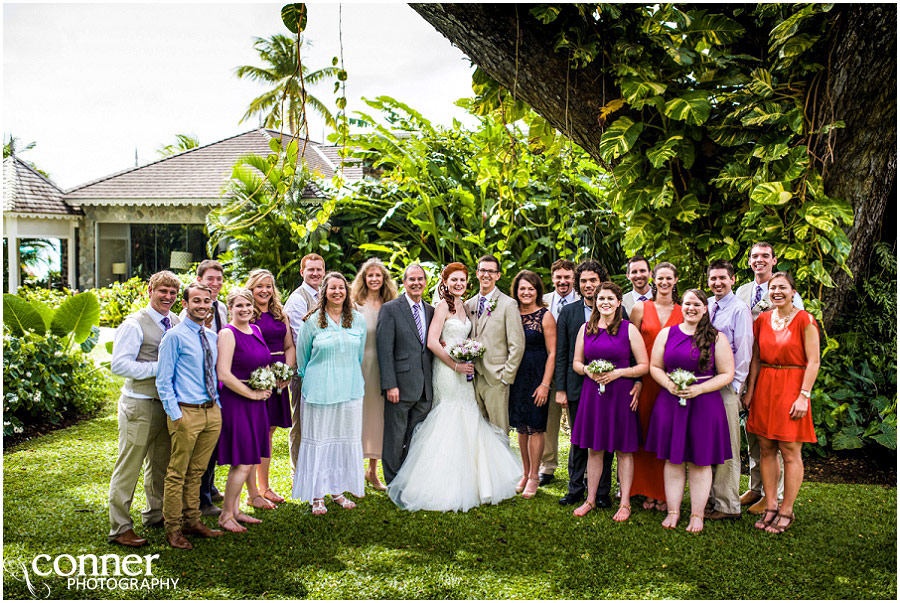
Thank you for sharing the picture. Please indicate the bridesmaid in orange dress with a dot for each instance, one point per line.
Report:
(783, 370)
(651, 317)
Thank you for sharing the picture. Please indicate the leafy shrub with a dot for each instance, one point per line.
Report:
(51, 297)
(43, 383)
(117, 299)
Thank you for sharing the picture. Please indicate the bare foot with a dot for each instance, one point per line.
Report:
(622, 514)
(244, 518)
(649, 504)
(695, 524)
(584, 509)
(661, 505)
(372, 478)
(229, 523)
(259, 502)
(671, 520)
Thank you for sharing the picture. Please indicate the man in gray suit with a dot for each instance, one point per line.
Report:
(405, 364)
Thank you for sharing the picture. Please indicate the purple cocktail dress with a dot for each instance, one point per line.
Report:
(605, 421)
(696, 433)
(245, 423)
(278, 405)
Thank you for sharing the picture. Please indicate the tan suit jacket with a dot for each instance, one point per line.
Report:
(500, 330)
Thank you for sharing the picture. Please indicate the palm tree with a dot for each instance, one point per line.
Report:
(184, 142)
(279, 53)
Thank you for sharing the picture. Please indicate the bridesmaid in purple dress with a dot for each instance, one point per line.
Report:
(269, 316)
(608, 421)
(696, 433)
(245, 423)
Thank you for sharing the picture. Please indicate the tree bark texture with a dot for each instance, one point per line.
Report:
(859, 87)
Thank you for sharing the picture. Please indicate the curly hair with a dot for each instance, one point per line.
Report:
(705, 336)
(593, 323)
(443, 290)
(275, 308)
(589, 266)
(346, 307)
(534, 280)
(359, 290)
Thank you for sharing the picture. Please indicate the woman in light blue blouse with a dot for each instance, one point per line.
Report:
(329, 359)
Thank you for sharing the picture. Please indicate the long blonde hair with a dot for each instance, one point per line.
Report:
(359, 290)
(275, 307)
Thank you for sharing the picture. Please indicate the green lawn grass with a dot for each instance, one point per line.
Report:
(844, 544)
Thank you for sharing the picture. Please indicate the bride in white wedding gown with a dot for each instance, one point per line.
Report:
(456, 460)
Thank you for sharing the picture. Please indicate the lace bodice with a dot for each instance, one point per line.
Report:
(450, 385)
(455, 330)
(534, 321)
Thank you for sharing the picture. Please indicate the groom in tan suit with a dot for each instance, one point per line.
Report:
(498, 326)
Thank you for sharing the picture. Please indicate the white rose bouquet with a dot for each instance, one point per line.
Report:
(595, 367)
(262, 379)
(682, 379)
(467, 351)
(282, 372)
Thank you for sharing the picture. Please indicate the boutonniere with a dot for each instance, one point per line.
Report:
(763, 305)
(491, 305)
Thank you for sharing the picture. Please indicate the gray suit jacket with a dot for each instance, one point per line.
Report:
(404, 361)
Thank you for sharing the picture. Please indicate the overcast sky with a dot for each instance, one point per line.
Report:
(89, 83)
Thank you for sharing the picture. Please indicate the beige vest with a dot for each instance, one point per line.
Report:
(148, 352)
(310, 301)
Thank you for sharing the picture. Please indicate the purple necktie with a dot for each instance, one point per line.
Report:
(417, 315)
(481, 306)
(757, 296)
(167, 324)
(642, 298)
(715, 310)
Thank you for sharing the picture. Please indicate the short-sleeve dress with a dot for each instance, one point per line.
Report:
(605, 421)
(697, 432)
(278, 405)
(524, 416)
(244, 438)
(373, 401)
(783, 359)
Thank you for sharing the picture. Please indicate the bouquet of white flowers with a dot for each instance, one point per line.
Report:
(282, 372)
(467, 351)
(262, 378)
(682, 379)
(595, 367)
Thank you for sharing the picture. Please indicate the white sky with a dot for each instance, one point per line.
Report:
(89, 83)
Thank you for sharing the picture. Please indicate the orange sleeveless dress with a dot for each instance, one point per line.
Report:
(648, 470)
(777, 388)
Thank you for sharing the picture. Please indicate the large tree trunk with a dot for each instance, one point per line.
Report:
(515, 49)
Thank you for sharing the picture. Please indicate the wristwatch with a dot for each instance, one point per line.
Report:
(806, 394)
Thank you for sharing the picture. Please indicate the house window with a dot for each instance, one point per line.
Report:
(152, 246)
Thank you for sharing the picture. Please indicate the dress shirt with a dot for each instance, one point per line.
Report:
(126, 344)
(798, 303)
(180, 376)
(330, 360)
(637, 296)
(588, 310)
(554, 302)
(733, 318)
(295, 307)
(421, 305)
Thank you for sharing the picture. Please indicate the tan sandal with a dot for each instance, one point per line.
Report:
(775, 528)
(529, 491)
(628, 508)
(274, 498)
(762, 523)
(267, 505)
(584, 509)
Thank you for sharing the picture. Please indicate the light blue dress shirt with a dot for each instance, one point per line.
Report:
(330, 360)
(735, 320)
(179, 377)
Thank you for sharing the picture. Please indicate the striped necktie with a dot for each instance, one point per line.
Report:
(417, 315)
(757, 296)
(167, 324)
(209, 377)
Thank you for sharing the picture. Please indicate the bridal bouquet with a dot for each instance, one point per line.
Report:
(682, 379)
(282, 372)
(600, 366)
(467, 351)
(262, 378)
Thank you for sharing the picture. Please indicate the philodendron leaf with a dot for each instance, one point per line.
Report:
(77, 314)
(20, 316)
(619, 138)
(294, 17)
(770, 193)
(691, 107)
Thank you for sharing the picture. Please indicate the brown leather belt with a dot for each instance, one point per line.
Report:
(209, 404)
(783, 366)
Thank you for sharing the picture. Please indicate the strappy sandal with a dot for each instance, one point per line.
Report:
(762, 523)
(521, 485)
(529, 491)
(775, 528)
(318, 506)
(695, 516)
(628, 507)
(274, 498)
(584, 509)
(267, 505)
(342, 500)
(676, 513)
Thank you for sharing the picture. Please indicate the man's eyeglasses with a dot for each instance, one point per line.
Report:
(486, 271)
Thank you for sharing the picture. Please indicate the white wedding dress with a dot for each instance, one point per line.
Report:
(456, 460)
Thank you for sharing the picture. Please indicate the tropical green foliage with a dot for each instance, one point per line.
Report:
(183, 142)
(73, 321)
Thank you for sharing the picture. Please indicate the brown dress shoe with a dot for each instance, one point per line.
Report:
(177, 540)
(715, 515)
(749, 497)
(758, 508)
(200, 529)
(129, 538)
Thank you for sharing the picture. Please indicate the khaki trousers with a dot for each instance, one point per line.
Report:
(493, 400)
(726, 483)
(550, 458)
(194, 437)
(756, 484)
(294, 434)
(143, 442)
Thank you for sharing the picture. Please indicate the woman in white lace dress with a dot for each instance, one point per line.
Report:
(457, 460)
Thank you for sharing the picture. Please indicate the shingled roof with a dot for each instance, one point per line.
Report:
(27, 191)
(199, 175)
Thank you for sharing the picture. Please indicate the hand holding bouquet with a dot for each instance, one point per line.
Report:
(467, 351)
(262, 379)
(282, 372)
(682, 379)
(595, 367)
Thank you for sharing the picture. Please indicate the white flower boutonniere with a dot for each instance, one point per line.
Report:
(762, 305)
(491, 305)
